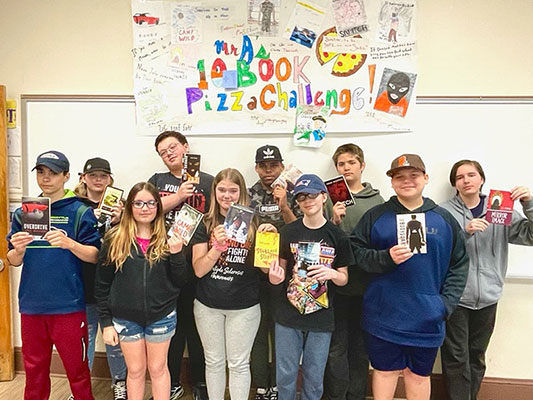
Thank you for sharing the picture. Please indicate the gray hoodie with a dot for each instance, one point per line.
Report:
(488, 251)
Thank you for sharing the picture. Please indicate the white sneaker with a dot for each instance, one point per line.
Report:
(119, 390)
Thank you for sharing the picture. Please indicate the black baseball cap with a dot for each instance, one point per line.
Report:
(268, 153)
(96, 164)
(54, 160)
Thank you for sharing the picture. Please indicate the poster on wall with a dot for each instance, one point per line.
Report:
(250, 66)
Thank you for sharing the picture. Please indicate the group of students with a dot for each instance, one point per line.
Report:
(381, 303)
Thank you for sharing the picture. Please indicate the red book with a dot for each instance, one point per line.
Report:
(500, 207)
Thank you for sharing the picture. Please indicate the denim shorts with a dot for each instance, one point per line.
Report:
(156, 332)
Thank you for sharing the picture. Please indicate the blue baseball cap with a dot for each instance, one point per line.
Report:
(309, 183)
(54, 160)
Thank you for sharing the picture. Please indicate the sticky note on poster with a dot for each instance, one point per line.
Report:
(230, 79)
(336, 44)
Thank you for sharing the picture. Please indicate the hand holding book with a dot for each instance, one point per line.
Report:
(175, 243)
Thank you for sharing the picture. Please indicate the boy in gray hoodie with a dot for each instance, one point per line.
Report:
(469, 328)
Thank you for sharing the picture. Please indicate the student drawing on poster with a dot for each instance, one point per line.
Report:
(350, 17)
(186, 24)
(310, 126)
(263, 17)
(150, 22)
(395, 92)
(396, 21)
(304, 23)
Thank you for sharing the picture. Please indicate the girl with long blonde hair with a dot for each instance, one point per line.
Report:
(226, 308)
(138, 277)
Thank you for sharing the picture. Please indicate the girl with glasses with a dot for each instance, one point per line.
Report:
(226, 308)
(138, 277)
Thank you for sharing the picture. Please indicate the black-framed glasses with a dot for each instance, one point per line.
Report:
(302, 196)
(140, 204)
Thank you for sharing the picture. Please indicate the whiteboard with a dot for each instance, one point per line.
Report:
(495, 131)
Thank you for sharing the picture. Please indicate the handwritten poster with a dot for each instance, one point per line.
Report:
(199, 67)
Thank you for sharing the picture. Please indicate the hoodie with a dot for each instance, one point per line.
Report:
(489, 250)
(408, 303)
(364, 201)
(51, 280)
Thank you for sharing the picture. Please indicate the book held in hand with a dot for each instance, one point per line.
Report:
(237, 222)
(186, 223)
(110, 199)
(191, 168)
(339, 191)
(411, 230)
(288, 177)
(35, 216)
(500, 207)
(266, 248)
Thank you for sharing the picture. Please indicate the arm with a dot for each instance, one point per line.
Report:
(18, 241)
(455, 281)
(280, 197)
(521, 230)
(105, 274)
(322, 273)
(276, 272)
(171, 201)
(85, 253)
(205, 258)
(176, 259)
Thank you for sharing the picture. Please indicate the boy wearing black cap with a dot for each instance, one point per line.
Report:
(405, 307)
(51, 299)
(277, 207)
(171, 146)
(304, 313)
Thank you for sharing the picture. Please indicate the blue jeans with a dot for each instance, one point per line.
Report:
(290, 344)
(157, 332)
(115, 358)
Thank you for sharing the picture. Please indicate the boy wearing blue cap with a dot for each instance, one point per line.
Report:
(51, 298)
(313, 251)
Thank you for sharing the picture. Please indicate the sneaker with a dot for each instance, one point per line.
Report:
(119, 390)
(273, 393)
(176, 392)
(262, 394)
(199, 392)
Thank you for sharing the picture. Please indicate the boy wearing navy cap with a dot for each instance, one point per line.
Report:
(276, 206)
(304, 313)
(406, 305)
(51, 298)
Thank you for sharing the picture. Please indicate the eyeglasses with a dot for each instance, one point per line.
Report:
(140, 204)
(302, 196)
(169, 150)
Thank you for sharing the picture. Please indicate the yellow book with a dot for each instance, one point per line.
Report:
(266, 248)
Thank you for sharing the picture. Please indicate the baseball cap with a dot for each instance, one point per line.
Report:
(406, 161)
(267, 153)
(309, 183)
(96, 164)
(54, 160)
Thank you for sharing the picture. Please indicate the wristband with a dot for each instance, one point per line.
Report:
(219, 247)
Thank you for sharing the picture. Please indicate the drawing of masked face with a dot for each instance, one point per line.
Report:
(397, 87)
(193, 167)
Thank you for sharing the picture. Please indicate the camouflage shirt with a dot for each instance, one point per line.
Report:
(266, 209)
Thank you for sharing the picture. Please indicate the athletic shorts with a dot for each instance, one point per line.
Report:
(156, 332)
(387, 356)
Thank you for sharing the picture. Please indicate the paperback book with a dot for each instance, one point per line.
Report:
(266, 248)
(36, 216)
(288, 177)
(339, 191)
(237, 222)
(191, 168)
(500, 207)
(110, 199)
(186, 223)
(411, 230)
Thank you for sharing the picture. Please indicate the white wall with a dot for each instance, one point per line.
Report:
(470, 47)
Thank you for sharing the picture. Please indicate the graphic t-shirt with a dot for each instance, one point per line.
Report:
(328, 235)
(167, 184)
(233, 282)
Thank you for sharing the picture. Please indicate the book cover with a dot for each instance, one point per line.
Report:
(500, 207)
(339, 191)
(288, 177)
(191, 168)
(35, 216)
(237, 222)
(266, 248)
(110, 199)
(411, 230)
(186, 223)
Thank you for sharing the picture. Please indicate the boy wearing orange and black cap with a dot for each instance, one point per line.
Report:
(406, 305)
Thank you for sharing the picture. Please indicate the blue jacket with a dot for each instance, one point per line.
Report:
(51, 280)
(408, 303)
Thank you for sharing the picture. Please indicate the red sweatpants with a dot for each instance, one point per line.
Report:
(68, 332)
